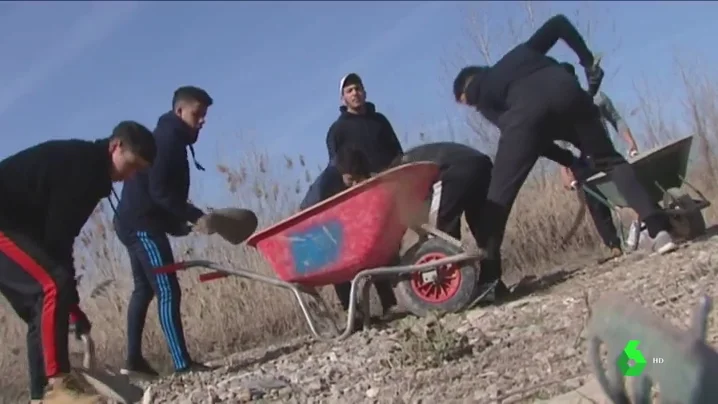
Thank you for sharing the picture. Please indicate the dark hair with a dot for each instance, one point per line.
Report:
(463, 77)
(398, 160)
(350, 160)
(191, 93)
(137, 139)
(568, 67)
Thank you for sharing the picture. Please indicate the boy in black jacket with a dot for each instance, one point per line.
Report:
(524, 94)
(359, 128)
(362, 127)
(153, 205)
(48, 193)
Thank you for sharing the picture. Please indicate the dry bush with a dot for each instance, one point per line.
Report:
(232, 314)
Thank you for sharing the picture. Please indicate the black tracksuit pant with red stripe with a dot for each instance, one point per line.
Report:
(41, 293)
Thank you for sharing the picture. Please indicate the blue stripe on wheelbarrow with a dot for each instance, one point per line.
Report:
(317, 246)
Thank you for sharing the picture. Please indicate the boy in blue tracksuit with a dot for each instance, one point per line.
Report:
(152, 206)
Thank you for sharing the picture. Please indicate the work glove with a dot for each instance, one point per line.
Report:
(594, 77)
(79, 322)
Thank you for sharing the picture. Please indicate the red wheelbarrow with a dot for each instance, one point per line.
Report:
(356, 236)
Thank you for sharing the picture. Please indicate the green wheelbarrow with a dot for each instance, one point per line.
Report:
(662, 172)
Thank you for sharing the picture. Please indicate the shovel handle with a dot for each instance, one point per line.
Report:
(212, 276)
(88, 348)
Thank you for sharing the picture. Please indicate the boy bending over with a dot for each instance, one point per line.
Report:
(48, 193)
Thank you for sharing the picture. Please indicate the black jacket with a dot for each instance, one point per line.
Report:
(156, 200)
(445, 154)
(50, 190)
(489, 90)
(371, 133)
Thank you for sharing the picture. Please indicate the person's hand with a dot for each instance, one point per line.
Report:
(79, 321)
(633, 151)
(568, 179)
(594, 77)
(180, 230)
(570, 183)
(204, 225)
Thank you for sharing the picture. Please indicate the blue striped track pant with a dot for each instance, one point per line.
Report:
(149, 251)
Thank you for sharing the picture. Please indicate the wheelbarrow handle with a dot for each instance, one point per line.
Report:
(171, 268)
(212, 276)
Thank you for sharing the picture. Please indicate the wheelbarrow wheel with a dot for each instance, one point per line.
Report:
(447, 289)
(686, 219)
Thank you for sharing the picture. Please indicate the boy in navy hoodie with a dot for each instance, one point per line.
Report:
(152, 206)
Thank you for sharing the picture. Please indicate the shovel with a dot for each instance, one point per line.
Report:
(107, 383)
(232, 224)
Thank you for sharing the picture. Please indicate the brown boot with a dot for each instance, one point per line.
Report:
(615, 252)
(70, 389)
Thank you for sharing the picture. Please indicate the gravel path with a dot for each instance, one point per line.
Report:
(524, 351)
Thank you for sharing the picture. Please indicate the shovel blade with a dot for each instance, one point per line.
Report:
(114, 387)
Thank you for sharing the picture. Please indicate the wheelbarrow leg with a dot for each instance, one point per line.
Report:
(318, 307)
(366, 302)
(297, 290)
(323, 311)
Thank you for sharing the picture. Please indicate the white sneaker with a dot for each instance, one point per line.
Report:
(663, 243)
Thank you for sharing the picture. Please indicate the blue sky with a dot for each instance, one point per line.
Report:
(76, 69)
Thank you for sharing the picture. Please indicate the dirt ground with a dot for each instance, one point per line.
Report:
(531, 349)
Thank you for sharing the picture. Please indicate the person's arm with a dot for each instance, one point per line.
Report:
(161, 190)
(558, 154)
(559, 27)
(70, 204)
(333, 138)
(611, 114)
(392, 143)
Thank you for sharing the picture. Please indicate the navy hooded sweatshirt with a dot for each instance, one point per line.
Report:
(371, 133)
(156, 200)
(51, 189)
